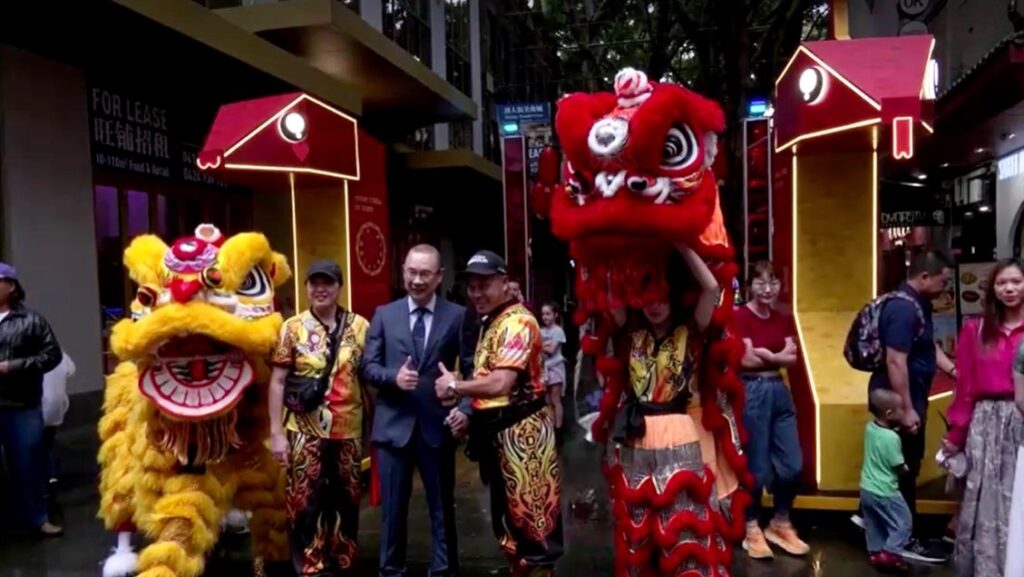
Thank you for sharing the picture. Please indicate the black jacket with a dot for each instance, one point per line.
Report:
(30, 349)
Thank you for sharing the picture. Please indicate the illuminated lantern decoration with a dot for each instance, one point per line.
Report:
(903, 137)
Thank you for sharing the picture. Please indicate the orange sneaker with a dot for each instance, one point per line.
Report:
(755, 545)
(784, 536)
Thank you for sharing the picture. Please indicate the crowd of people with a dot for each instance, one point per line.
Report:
(980, 450)
(497, 376)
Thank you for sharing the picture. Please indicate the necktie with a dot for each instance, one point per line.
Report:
(419, 333)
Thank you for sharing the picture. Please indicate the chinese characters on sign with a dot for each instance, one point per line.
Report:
(190, 170)
(533, 122)
(138, 136)
(525, 113)
(128, 134)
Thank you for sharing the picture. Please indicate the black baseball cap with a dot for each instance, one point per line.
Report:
(327, 268)
(485, 263)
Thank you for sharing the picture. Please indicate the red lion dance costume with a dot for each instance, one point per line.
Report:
(637, 183)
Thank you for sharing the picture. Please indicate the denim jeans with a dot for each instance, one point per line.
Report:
(773, 446)
(887, 522)
(21, 436)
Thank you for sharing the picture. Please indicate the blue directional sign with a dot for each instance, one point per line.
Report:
(512, 117)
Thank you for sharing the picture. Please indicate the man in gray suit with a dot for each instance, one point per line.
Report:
(408, 340)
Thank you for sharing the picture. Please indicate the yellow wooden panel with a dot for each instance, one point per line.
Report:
(824, 335)
(852, 503)
(842, 440)
(321, 231)
(272, 210)
(834, 231)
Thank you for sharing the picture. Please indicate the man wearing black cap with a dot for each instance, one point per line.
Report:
(28, 350)
(316, 424)
(512, 429)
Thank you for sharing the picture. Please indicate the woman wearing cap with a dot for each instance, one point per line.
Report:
(319, 436)
(28, 350)
(512, 429)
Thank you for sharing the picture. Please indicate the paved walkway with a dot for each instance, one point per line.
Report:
(837, 549)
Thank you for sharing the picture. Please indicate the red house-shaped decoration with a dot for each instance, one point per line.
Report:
(290, 133)
(842, 85)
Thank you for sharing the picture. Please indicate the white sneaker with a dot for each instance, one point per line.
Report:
(858, 521)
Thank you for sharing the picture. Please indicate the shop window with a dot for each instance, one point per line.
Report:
(421, 138)
(407, 23)
(123, 211)
(109, 249)
(460, 135)
(137, 221)
(456, 24)
(168, 223)
(492, 144)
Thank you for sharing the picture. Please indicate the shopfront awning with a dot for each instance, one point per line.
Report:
(400, 93)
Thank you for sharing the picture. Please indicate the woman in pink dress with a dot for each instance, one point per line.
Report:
(986, 422)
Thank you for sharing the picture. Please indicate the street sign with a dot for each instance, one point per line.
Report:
(514, 116)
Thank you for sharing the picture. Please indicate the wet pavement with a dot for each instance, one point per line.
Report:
(837, 546)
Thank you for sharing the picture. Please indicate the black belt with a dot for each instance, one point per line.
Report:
(629, 422)
(484, 425)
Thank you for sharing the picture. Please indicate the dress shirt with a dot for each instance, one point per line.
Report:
(428, 317)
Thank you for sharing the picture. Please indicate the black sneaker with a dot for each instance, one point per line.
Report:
(924, 553)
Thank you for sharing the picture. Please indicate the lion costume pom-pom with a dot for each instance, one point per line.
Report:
(637, 183)
(184, 420)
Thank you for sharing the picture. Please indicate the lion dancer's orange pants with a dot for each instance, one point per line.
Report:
(671, 493)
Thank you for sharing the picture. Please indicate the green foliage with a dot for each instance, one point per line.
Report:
(727, 49)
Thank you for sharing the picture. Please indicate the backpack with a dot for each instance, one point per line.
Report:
(864, 350)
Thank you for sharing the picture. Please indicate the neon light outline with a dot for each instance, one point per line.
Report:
(907, 121)
(828, 131)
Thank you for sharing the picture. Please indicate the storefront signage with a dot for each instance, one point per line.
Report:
(190, 169)
(904, 218)
(129, 134)
(138, 135)
(538, 137)
(1012, 165)
(813, 85)
(369, 230)
(524, 113)
(913, 16)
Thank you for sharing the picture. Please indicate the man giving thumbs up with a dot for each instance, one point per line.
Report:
(409, 342)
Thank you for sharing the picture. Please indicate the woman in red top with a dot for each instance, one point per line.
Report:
(773, 447)
(987, 423)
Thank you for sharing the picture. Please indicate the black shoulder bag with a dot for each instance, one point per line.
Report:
(305, 394)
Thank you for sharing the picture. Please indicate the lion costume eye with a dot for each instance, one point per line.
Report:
(146, 296)
(255, 285)
(680, 148)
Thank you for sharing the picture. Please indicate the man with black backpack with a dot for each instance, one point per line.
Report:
(892, 337)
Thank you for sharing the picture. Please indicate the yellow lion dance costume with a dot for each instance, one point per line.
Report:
(185, 417)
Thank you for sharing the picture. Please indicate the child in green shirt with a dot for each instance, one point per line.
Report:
(887, 518)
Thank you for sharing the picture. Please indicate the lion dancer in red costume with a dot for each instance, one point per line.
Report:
(640, 210)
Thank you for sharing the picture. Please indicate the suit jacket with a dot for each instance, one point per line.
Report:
(388, 345)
